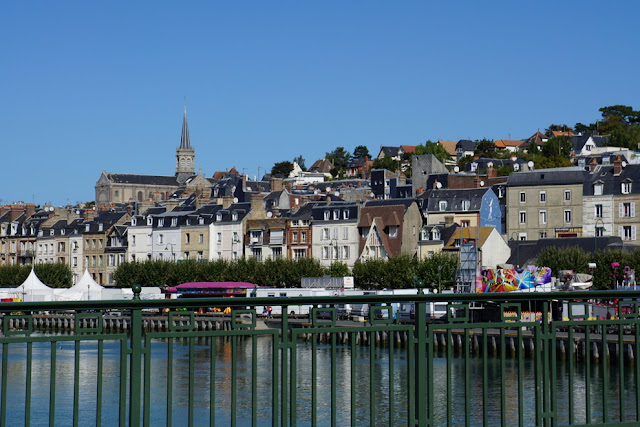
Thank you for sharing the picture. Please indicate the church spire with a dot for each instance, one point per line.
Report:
(185, 142)
(185, 154)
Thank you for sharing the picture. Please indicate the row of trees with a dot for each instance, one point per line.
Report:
(54, 275)
(398, 272)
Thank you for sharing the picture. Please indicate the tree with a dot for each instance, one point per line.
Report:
(559, 146)
(339, 157)
(360, 152)
(557, 128)
(282, 168)
(430, 147)
(385, 163)
(585, 129)
(485, 148)
(300, 161)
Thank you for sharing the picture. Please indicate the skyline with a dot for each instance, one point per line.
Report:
(88, 87)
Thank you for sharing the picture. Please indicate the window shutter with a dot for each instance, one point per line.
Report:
(620, 232)
(633, 210)
(633, 232)
(620, 210)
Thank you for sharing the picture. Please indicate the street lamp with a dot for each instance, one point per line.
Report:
(173, 256)
(595, 233)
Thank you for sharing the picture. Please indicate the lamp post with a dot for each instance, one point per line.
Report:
(595, 233)
(173, 256)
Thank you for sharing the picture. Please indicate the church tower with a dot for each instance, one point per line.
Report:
(185, 154)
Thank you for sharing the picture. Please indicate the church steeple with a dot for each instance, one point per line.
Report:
(185, 154)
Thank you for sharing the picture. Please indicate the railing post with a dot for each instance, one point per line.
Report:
(135, 348)
(422, 397)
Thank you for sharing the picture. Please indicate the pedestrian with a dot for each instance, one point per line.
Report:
(269, 312)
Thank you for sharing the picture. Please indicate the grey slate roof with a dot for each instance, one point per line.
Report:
(555, 176)
(612, 184)
(126, 178)
(431, 199)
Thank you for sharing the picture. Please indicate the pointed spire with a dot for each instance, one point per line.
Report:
(185, 142)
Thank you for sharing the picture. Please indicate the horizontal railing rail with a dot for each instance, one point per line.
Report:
(426, 359)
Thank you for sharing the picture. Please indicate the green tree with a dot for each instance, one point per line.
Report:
(339, 157)
(360, 152)
(485, 148)
(430, 147)
(282, 168)
(386, 163)
(338, 269)
(438, 271)
(559, 146)
(557, 128)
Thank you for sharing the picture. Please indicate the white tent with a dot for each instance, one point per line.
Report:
(86, 289)
(33, 290)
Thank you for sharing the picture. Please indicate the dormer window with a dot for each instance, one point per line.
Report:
(626, 187)
(201, 221)
(466, 204)
(598, 189)
(435, 234)
(219, 217)
(87, 227)
(149, 221)
(234, 216)
(62, 232)
(345, 214)
(442, 204)
(134, 222)
(188, 221)
(100, 227)
(174, 222)
(327, 215)
(161, 222)
(51, 232)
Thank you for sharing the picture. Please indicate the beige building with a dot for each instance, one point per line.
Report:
(545, 203)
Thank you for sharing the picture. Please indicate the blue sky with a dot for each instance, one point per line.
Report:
(88, 87)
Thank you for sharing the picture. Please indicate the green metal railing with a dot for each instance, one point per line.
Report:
(574, 364)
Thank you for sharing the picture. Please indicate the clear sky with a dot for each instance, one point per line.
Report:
(90, 86)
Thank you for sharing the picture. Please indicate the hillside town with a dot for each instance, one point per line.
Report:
(480, 199)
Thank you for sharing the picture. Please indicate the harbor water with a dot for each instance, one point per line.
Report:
(387, 379)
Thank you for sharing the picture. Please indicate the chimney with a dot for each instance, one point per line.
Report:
(276, 184)
(257, 206)
(492, 173)
(16, 211)
(90, 214)
(448, 219)
(617, 166)
(227, 201)
(31, 209)
(593, 164)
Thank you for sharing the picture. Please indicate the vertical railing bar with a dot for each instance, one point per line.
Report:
(485, 377)
(636, 330)
(124, 354)
(587, 376)
(294, 389)
(391, 379)
(621, 370)
(423, 393)
(429, 378)
(76, 382)
(99, 375)
(354, 388)
(52, 385)
(467, 377)
(170, 346)
(29, 374)
(284, 374)
(212, 382)
(146, 399)
(254, 379)
(314, 379)
(334, 381)
(372, 377)
(553, 402)
(520, 373)
(234, 379)
(192, 364)
(571, 374)
(503, 359)
(275, 388)
(3, 401)
(605, 378)
(449, 375)
(135, 369)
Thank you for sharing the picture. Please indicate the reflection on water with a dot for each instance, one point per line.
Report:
(388, 381)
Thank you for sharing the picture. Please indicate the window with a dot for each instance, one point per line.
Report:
(257, 253)
(201, 238)
(219, 238)
(543, 196)
(295, 223)
(567, 216)
(234, 216)
(543, 234)
(276, 253)
(345, 252)
(299, 253)
(626, 188)
(599, 231)
(187, 238)
(327, 215)
(236, 238)
(345, 214)
(345, 233)
(627, 209)
(174, 222)
(336, 214)
(598, 211)
(161, 239)
(75, 261)
(523, 217)
(466, 204)
(325, 234)
(628, 232)
(393, 231)
(443, 205)
(325, 252)
(567, 195)
(294, 237)
(543, 217)
(303, 237)
(597, 189)
(523, 197)
(522, 236)
(465, 223)
(200, 255)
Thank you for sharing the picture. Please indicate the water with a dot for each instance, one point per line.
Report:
(387, 378)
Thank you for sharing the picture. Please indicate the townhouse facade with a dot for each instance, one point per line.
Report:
(334, 229)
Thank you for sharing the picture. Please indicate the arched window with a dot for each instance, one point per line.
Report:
(139, 196)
